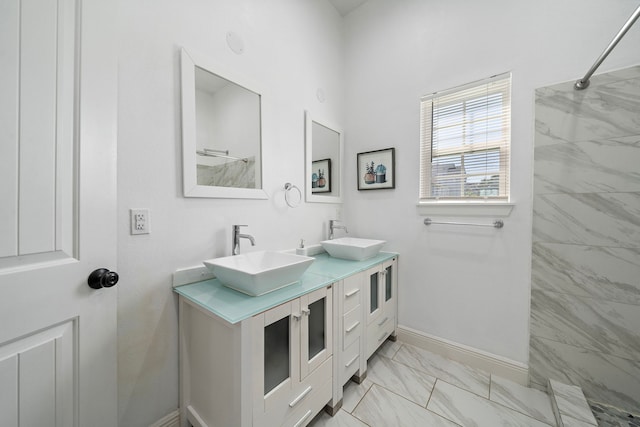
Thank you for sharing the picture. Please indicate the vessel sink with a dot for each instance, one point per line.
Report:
(256, 273)
(352, 248)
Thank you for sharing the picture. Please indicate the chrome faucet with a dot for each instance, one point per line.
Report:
(333, 226)
(236, 239)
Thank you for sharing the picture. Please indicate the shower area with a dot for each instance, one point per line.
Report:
(585, 291)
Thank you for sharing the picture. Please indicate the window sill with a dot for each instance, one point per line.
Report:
(448, 208)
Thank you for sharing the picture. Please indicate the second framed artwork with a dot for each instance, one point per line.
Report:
(376, 169)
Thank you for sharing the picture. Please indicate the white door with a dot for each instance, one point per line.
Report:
(58, 86)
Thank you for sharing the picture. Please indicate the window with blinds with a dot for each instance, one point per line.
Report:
(465, 139)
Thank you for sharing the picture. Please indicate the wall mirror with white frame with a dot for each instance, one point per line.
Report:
(323, 161)
(221, 131)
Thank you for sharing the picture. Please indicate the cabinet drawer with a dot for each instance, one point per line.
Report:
(305, 413)
(378, 331)
(300, 396)
(352, 324)
(350, 362)
(352, 293)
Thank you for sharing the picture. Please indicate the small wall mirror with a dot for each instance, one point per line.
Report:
(221, 131)
(323, 161)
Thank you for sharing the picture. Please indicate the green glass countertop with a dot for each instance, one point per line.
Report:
(234, 306)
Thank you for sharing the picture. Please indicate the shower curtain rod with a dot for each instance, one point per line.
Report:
(583, 83)
(211, 153)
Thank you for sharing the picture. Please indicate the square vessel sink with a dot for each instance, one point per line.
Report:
(256, 273)
(352, 248)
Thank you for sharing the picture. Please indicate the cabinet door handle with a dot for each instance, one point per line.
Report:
(295, 401)
(352, 293)
(352, 327)
(350, 362)
(383, 321)
(303, 419)
(296, 316)
(383, 336)
(306, 311)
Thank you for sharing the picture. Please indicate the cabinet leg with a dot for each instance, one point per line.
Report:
(393, 337)
(332, 410)
(358, 378)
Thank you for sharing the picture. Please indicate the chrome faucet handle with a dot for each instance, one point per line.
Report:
(235, 243)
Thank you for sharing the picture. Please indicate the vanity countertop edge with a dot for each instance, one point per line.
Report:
(234, 306)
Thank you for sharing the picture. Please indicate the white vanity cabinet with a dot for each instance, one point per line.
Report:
(278, 359)
(381, 287)
(272, 369)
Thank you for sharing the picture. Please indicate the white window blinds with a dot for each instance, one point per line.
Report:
(465, 140)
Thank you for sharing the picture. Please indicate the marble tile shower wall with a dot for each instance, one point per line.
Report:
(236, 174)
(585, 297)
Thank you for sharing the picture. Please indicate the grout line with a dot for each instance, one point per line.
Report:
(361, 398)
(431, 394)
(401, 396)
(587, 297)
(490, 384)
(568, 380)
(435, 413)
(497, 403)
(356, 418)
(473, 372)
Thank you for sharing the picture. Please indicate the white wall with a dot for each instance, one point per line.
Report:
(292, 48)
(467, 285)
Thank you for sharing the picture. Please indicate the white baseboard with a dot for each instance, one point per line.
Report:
(494, 364)
(171, 420)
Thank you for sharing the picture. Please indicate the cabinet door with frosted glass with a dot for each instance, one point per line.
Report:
(316, 329)
(389, 286)
(374, 285)
(276, 340)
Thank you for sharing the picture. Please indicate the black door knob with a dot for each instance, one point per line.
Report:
(102, 278)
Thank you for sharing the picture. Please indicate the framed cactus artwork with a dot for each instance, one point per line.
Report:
(376, 169)
(321, 176)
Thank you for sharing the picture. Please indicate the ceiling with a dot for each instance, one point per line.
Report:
(346, 6)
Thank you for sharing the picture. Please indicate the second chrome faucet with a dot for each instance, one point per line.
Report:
(236, 239)
(333, 226)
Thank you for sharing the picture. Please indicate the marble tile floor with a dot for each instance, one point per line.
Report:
(408, 386)
(613, 417)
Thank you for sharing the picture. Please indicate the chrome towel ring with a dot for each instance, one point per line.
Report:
(292, 201)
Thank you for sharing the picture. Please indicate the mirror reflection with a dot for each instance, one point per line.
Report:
(221, 131)
(227, 133)
(325, 154)
(324, 162)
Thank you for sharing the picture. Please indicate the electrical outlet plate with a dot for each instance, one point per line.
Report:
(140, 221)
